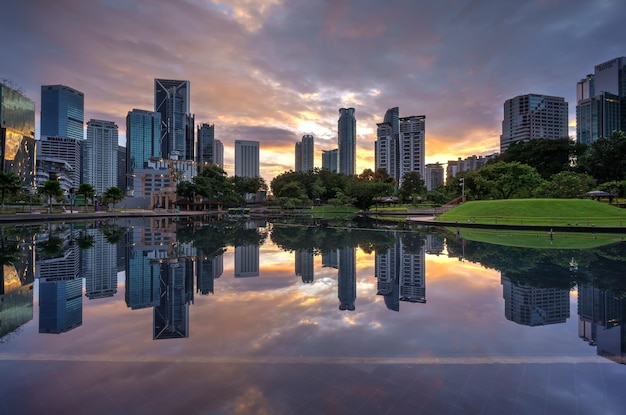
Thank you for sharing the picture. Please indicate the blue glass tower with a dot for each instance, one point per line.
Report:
(142, 140)
(62, 112)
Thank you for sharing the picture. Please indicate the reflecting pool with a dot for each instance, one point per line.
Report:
(169, 316)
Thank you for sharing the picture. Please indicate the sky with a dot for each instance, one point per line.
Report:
(274, 70)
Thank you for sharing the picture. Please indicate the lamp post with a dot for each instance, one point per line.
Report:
(462, 182)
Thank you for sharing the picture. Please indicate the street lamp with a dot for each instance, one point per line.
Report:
(462, 183)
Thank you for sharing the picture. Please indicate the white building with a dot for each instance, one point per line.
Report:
(411, 146)
(247, 158)
(100, 162)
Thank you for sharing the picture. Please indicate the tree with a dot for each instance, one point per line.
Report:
(112, 195)
(507, 180)
(412, 184)
(10, 184)
(363, 192)
(213, 184)
(548, 156)
(88, 192)
(605, 159)
(248, 185)
(51, 189)
(566, 184)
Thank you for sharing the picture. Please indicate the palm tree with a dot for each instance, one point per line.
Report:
(87, 191)
(51, 189)
(112, 195)
(10, 184)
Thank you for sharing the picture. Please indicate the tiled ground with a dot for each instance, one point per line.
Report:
(51, 387)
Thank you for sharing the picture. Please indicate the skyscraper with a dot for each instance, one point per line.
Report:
(411, 146)
(62, 112)
(218, 153)
(330, 160)
(346, 135)
(17, 134)
(100, 167)
(247, 158)
(304, 152)
(60, 157)
(533, 116)
(142, 140)
(433, 176)
(386, 147)
(171, 100)
(206, 140)
(601, 101)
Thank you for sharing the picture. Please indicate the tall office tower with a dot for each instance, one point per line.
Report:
(305, 154)
(534, 306)
(17, 135)
(330, 160)
(121, 167)
(386, 147)
(304, 264)
(62, 112)
(533, 116)
(247, 158)
(433, 175)
(411, 145)
(218, 153)
(60, 158)
(143, 130)
(171, 100)
(346, 135)
(247, 261)
(601, 101)
(206, 144)
(100, 267)
(100, 167)
(346, 278)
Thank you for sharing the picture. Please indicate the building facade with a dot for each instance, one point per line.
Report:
(433, 176)
(601, 101)
(533, 116)
(411, 146)
(143, 129)
(386, 146)
(330, 160)
(346, 136)
(171, 100)
(17, 135)
(59, 158)
(247, 158)
(62, 112)
(470, 163)
(100, 167)
(304, 152)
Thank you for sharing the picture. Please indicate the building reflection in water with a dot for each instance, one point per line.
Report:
(534, 306)
(304, 264)
(207, 271)
(60, 282)
(601, 316)
(346, 278)
(247, 261)
(17, 278)
(99, 267)
(401, 274)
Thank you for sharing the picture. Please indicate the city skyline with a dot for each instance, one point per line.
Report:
(257, 75)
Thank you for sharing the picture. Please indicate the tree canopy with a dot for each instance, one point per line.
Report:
(10, 184)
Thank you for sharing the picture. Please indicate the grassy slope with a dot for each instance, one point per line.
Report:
(553, 212)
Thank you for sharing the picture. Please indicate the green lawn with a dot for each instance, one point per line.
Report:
(550, 212)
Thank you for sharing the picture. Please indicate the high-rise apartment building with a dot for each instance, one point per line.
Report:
(330, 160)
(304, 152)
(533, 116)
(143, 130)
(100, 167)
(411, 145)
(247, 158)
(17, 134)
(433, 176)
(62, 112)
(346, 136)
(601, 101)
(386, 147)
(218, 153)
(171, 100)
(59, 158)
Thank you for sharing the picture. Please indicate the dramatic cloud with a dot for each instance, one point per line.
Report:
(274, 70)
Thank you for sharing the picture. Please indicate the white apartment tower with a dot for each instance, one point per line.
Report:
(411, 145)
(100, 163)
(247, 158)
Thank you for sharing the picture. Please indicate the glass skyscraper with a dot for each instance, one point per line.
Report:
(17, 134)
(601, 101)
(142, 140)
(171, 100)
(62, 112)
(346, 136)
